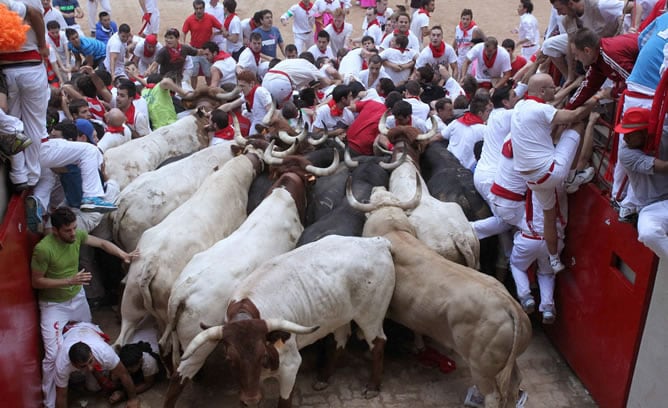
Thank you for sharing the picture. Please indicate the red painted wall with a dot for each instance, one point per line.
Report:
(20, 361)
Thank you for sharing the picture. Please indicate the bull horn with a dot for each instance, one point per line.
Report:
(228, 96)
(322, 139)
(382, 127)
(281, 154)
(432, 132)
(348, 160)
(319, 171)
(284, 325)
(396, 163)
(413, 202)
(212, 334)
(340, 142)
(363, 207)
(266, 120)
(240, 140)
(268, 158)
(378, 147)
(287, 139)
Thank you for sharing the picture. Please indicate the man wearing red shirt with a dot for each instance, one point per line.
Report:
(200, 25)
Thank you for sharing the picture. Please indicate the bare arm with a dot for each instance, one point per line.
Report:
(100, 88)
(502, 81)
(111, 248)
(121, 373)
(36, 20)
(168, 84)
(61, 397)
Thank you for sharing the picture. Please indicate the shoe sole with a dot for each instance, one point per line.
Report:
(33, 219)
(549, 320)
(95, 209)
(529, 309)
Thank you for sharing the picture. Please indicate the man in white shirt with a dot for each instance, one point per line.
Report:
(251, 57)
(493, 69)
(420, 20)
(371, 76)
(217, 10)
(335, 117)
(399, 60)
(53, 14)
(322, 48)
(468, 130)
(529, 36)
(145, 52)
(290, 75)
(151, 16)
(302, 27)
(412, 96)
(403, 27)
(339, 32)
(117, 47)
(231, 31)
(438, 53)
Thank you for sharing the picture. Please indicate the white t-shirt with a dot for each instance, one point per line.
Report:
(55, 15)
(88, 333)
(300, 71)
(530, 127)
(462, 141)
(506, 176)
(364, 78)
(426, 57)
(228, 71)
(500, 65)
(381, 17)
(498, 127)
(323, 117)
(413, 42)
(247, 61)
(375, 32)
(337, 41)
(111, 140)
(61, 48)
(420, 109)
(116, 45)
(234, 28)
(419, 124)
(144, 61)
(351, 63)
(261, 100)
(315, 51)
(398, 57)
(419, 21)
(528, 29)
(303, 20)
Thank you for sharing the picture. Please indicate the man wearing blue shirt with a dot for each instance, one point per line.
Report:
(105, 28)
(93, 51)
(70, 10)
(271, 37)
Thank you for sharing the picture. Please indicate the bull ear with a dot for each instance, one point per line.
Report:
(274, 336)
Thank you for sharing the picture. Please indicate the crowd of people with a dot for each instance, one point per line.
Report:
(67, 96)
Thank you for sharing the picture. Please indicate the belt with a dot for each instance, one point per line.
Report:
(545, 177)
(21, 64)
(528, 46)
(536, 237)
(505, 193)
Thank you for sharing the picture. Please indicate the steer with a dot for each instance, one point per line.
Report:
(456, 306)
(311, 291)
(212, 213)
(441, 226)
(149, 198)
(126, 162)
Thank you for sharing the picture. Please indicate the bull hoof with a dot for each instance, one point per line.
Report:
(320, 385)
(370, 393)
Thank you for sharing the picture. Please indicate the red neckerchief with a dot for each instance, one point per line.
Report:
(116, 129)
(46, 10)
(257, 56)
(251, 96)
(130, 114)
(423, 11)
(147, 53)
(252, 24)
(334, 109)
(372, 22)
(364, 64)
(470, 119)
(466, 30)
(226, 133)
(56, 39)
(228, 20)
(437, 52)
(329, 1)
(534, 98)
(221, 56)
(400, 49)
(338, 31)
(174, 53)
(489, 61)
(305, 7)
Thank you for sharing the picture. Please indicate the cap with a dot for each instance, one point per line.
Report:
(151, 39)
(85, 127)
(634, 119)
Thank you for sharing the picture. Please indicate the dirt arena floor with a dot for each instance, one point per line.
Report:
(546, 377)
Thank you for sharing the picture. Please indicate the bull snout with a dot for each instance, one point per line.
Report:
(251, 400)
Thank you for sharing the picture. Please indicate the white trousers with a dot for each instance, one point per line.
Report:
(528, 52)
(93, 14)
(303, 42)
(653, 228)
(54, 316)
(60, 153)
(153, 27)
(525, 252)
(278, 85)
(9, 124)
(556, 46)
(28, 95)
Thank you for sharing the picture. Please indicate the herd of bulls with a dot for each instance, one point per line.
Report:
(265, 251)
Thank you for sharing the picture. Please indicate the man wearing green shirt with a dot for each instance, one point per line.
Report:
(56, 276)
(158, 97)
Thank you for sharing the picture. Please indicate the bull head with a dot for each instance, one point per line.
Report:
(386, 201)
(318, 171)
(250, 345)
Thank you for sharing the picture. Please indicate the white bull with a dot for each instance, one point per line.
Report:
(273, 228)
(311, 291)
(149, 198)
(456, 306)
(212, 213)
(127, 161)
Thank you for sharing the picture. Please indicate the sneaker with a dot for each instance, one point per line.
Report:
(556, 264)
(34, 215)
(12, 143)
(474, 398)
(549, 314)
(627, 214)
(522, 399)
(96, 204)
(528, 304)
(581, 177)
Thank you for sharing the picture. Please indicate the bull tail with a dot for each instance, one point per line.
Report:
(504, 379)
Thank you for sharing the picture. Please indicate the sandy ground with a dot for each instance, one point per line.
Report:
(495, 18)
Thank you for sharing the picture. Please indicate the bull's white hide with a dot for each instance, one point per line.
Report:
(326, 283)
(127, 161)
(149, 198)
(209, 279)
(457, 307)
(442, 226)
(216, 209)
